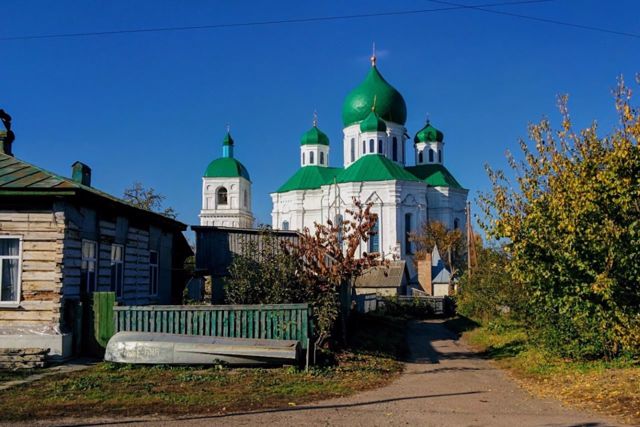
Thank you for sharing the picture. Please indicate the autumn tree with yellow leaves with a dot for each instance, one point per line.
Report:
(571, 223)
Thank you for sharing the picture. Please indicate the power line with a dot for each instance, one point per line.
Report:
(481, 8)
(260, 23)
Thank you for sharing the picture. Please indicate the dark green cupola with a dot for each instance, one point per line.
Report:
(390, 105)
(314, 136)
(373, 123)
(428, 134)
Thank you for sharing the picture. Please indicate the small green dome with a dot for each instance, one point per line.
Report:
(314, 136)
(428, 134)
(373, 123)
(389, 104)
(226, 167)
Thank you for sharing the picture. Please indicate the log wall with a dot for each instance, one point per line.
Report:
(42, 256)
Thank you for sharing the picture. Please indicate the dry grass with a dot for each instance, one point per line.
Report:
(111, 390)
(607, 387)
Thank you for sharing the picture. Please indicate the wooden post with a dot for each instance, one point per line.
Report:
(103, 323)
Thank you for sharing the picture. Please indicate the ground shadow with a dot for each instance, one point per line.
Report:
(276, 410)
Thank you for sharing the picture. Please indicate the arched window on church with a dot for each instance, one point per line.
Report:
(353, 149)
(439, 156)
(311, 159)
(374, 239)
(430, 155)
(372, 146)
(302, 159)
(285, 225)
(322, 157)
(245, 198)
(420, 157)
(394, 149)
(221, 196)
(379, 146)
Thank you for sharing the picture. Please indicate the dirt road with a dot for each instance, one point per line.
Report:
(445, 384)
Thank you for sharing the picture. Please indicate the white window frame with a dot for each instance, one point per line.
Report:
(94, 260)
(156, 265)
(112, 262)
(16, 302)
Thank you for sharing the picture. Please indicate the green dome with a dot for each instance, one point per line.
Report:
(314, 136)
(428, 134)
(373, 123)
(389, 104)
(226, 167)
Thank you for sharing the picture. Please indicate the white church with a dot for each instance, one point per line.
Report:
(375, 169)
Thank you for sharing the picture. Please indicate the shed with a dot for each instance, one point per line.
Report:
(387, 281)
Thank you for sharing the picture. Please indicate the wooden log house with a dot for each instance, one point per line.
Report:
(61, 240)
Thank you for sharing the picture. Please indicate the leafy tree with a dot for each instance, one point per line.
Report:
(490, 292)
(149, 199)
(571, 221)
(450, 244)
(330, 261)
(264, 273)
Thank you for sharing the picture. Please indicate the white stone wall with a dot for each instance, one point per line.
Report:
(394, 130)
(236, 213)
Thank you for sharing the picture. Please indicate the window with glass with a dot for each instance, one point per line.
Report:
(222, 196)
(394, 147)
(372, 146)
(322, 157)
(439, 156)
(10, 248)
(420, 157)
(380, 146)
(364, 147)
(302, 159)
(117, 270)
(407, 234)
(245, 198)
(311, 158)
(285, 225)
(374, 239)
(89, 266)
(430, 155)
(153, 272)
(353, 149)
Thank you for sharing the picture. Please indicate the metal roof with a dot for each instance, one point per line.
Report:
(19, 178)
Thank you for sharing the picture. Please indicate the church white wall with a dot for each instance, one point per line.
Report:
(314, 155)
(394, 130)
(237, 212)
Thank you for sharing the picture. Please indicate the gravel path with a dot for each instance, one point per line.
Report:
(444, 384)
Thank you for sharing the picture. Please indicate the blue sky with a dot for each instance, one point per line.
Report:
(152, 107)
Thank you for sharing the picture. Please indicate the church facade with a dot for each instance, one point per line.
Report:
(376, 170)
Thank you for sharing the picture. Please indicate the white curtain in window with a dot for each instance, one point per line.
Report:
(9, 269)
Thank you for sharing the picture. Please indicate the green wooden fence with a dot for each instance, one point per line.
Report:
(274, 321)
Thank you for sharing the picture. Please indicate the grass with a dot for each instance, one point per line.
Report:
(12, 375)
(112, 390)
(607, 387)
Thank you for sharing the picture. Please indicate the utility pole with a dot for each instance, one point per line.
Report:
(470, 240)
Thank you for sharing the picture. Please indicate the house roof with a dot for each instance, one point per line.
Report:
(439, 272)
(19, 178)
(434, 175)
(382, 277)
